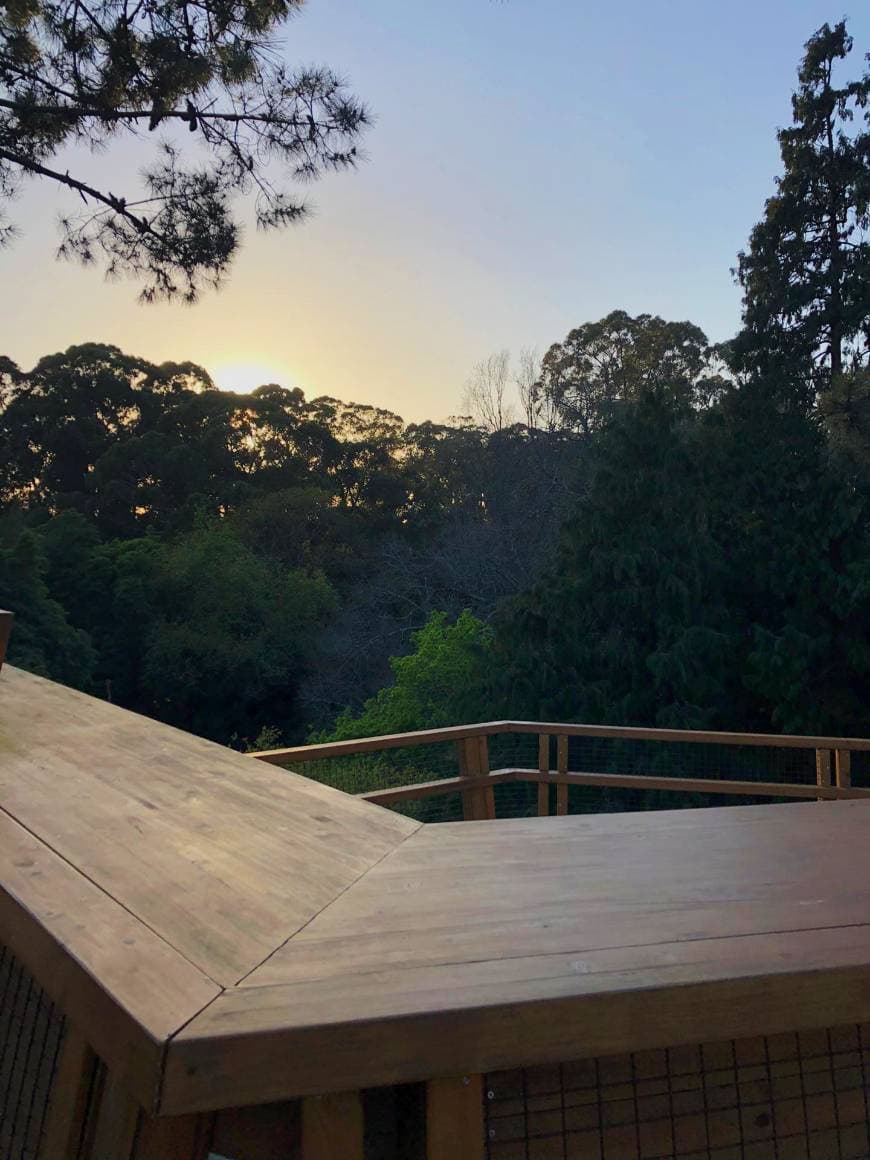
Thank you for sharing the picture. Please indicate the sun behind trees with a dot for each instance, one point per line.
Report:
(87, 73)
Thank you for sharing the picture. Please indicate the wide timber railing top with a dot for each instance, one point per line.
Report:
(401, 769)
(204, 950)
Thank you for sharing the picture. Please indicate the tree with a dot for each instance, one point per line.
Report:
(621, 359)
(806, 273)
(209, 637)
(625, 624)
(442, 681)
(486, 393)
(88, 71)
(43, 640)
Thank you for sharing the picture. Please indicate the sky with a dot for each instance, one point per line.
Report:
(534, 164)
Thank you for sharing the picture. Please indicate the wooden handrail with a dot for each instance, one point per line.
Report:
(301, 753)
(738, 788)
(772, 789)
(385, 741)
(475, 780)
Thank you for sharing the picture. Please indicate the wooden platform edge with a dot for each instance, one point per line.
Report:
(204, 1072)
(133, 1051)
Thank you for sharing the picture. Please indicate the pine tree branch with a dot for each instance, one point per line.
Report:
(117, 204)
(77, 111)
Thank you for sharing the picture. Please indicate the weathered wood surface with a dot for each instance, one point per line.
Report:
(400, 1025)
(222, 857)
(462, 891)
(125, 988)
(476, 942)
(240, 935)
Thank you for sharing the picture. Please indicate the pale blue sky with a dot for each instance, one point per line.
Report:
(533, 165)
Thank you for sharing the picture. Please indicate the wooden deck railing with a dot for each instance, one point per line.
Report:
(5, 630)
(476, 777)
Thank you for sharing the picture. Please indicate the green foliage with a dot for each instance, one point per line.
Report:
(660, 544)
(87, 73)
(229, 635)
(623, 359)
(714, 572)
(806, 272)
(442, 682)
(43, 640)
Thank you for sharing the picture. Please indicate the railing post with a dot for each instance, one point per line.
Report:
(68, 1103)
(562, 767)
(5, 630)
(478, 803)
(823, 768)
(454, 1118)
(843, 767)
(544, 768)
(332, 1127)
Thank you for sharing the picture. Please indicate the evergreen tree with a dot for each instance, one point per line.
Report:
(806, 273)
(89, 72)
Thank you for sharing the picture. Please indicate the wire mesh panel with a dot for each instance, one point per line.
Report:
(31, 1029)
(515, 751)
(764, 765)
(799, 1096)
(390, 768)
(678, 759)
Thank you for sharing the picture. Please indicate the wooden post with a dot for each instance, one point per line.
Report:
(174, 1137)
(5, 630)
(68, 1102)
(843, 767)
(544, 767)
(478, 803)
(332, 1127)
(562, 767)
(487, 793)
(116, 1123)
(823, 768)
(454, 1118)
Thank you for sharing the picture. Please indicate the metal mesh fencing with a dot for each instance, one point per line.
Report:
(680, 759)
(31, 1030)
(799, 1096)
(765, 765)
(390, 768)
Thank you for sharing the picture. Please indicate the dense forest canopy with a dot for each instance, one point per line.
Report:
(654, 530)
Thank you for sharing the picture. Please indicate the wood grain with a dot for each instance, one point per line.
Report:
(123, 987)
(463, 891)
(402, 1025)
(223, 857)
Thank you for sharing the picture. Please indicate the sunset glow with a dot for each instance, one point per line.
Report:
(247, 375)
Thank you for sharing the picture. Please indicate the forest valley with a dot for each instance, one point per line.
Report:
(661, 532)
